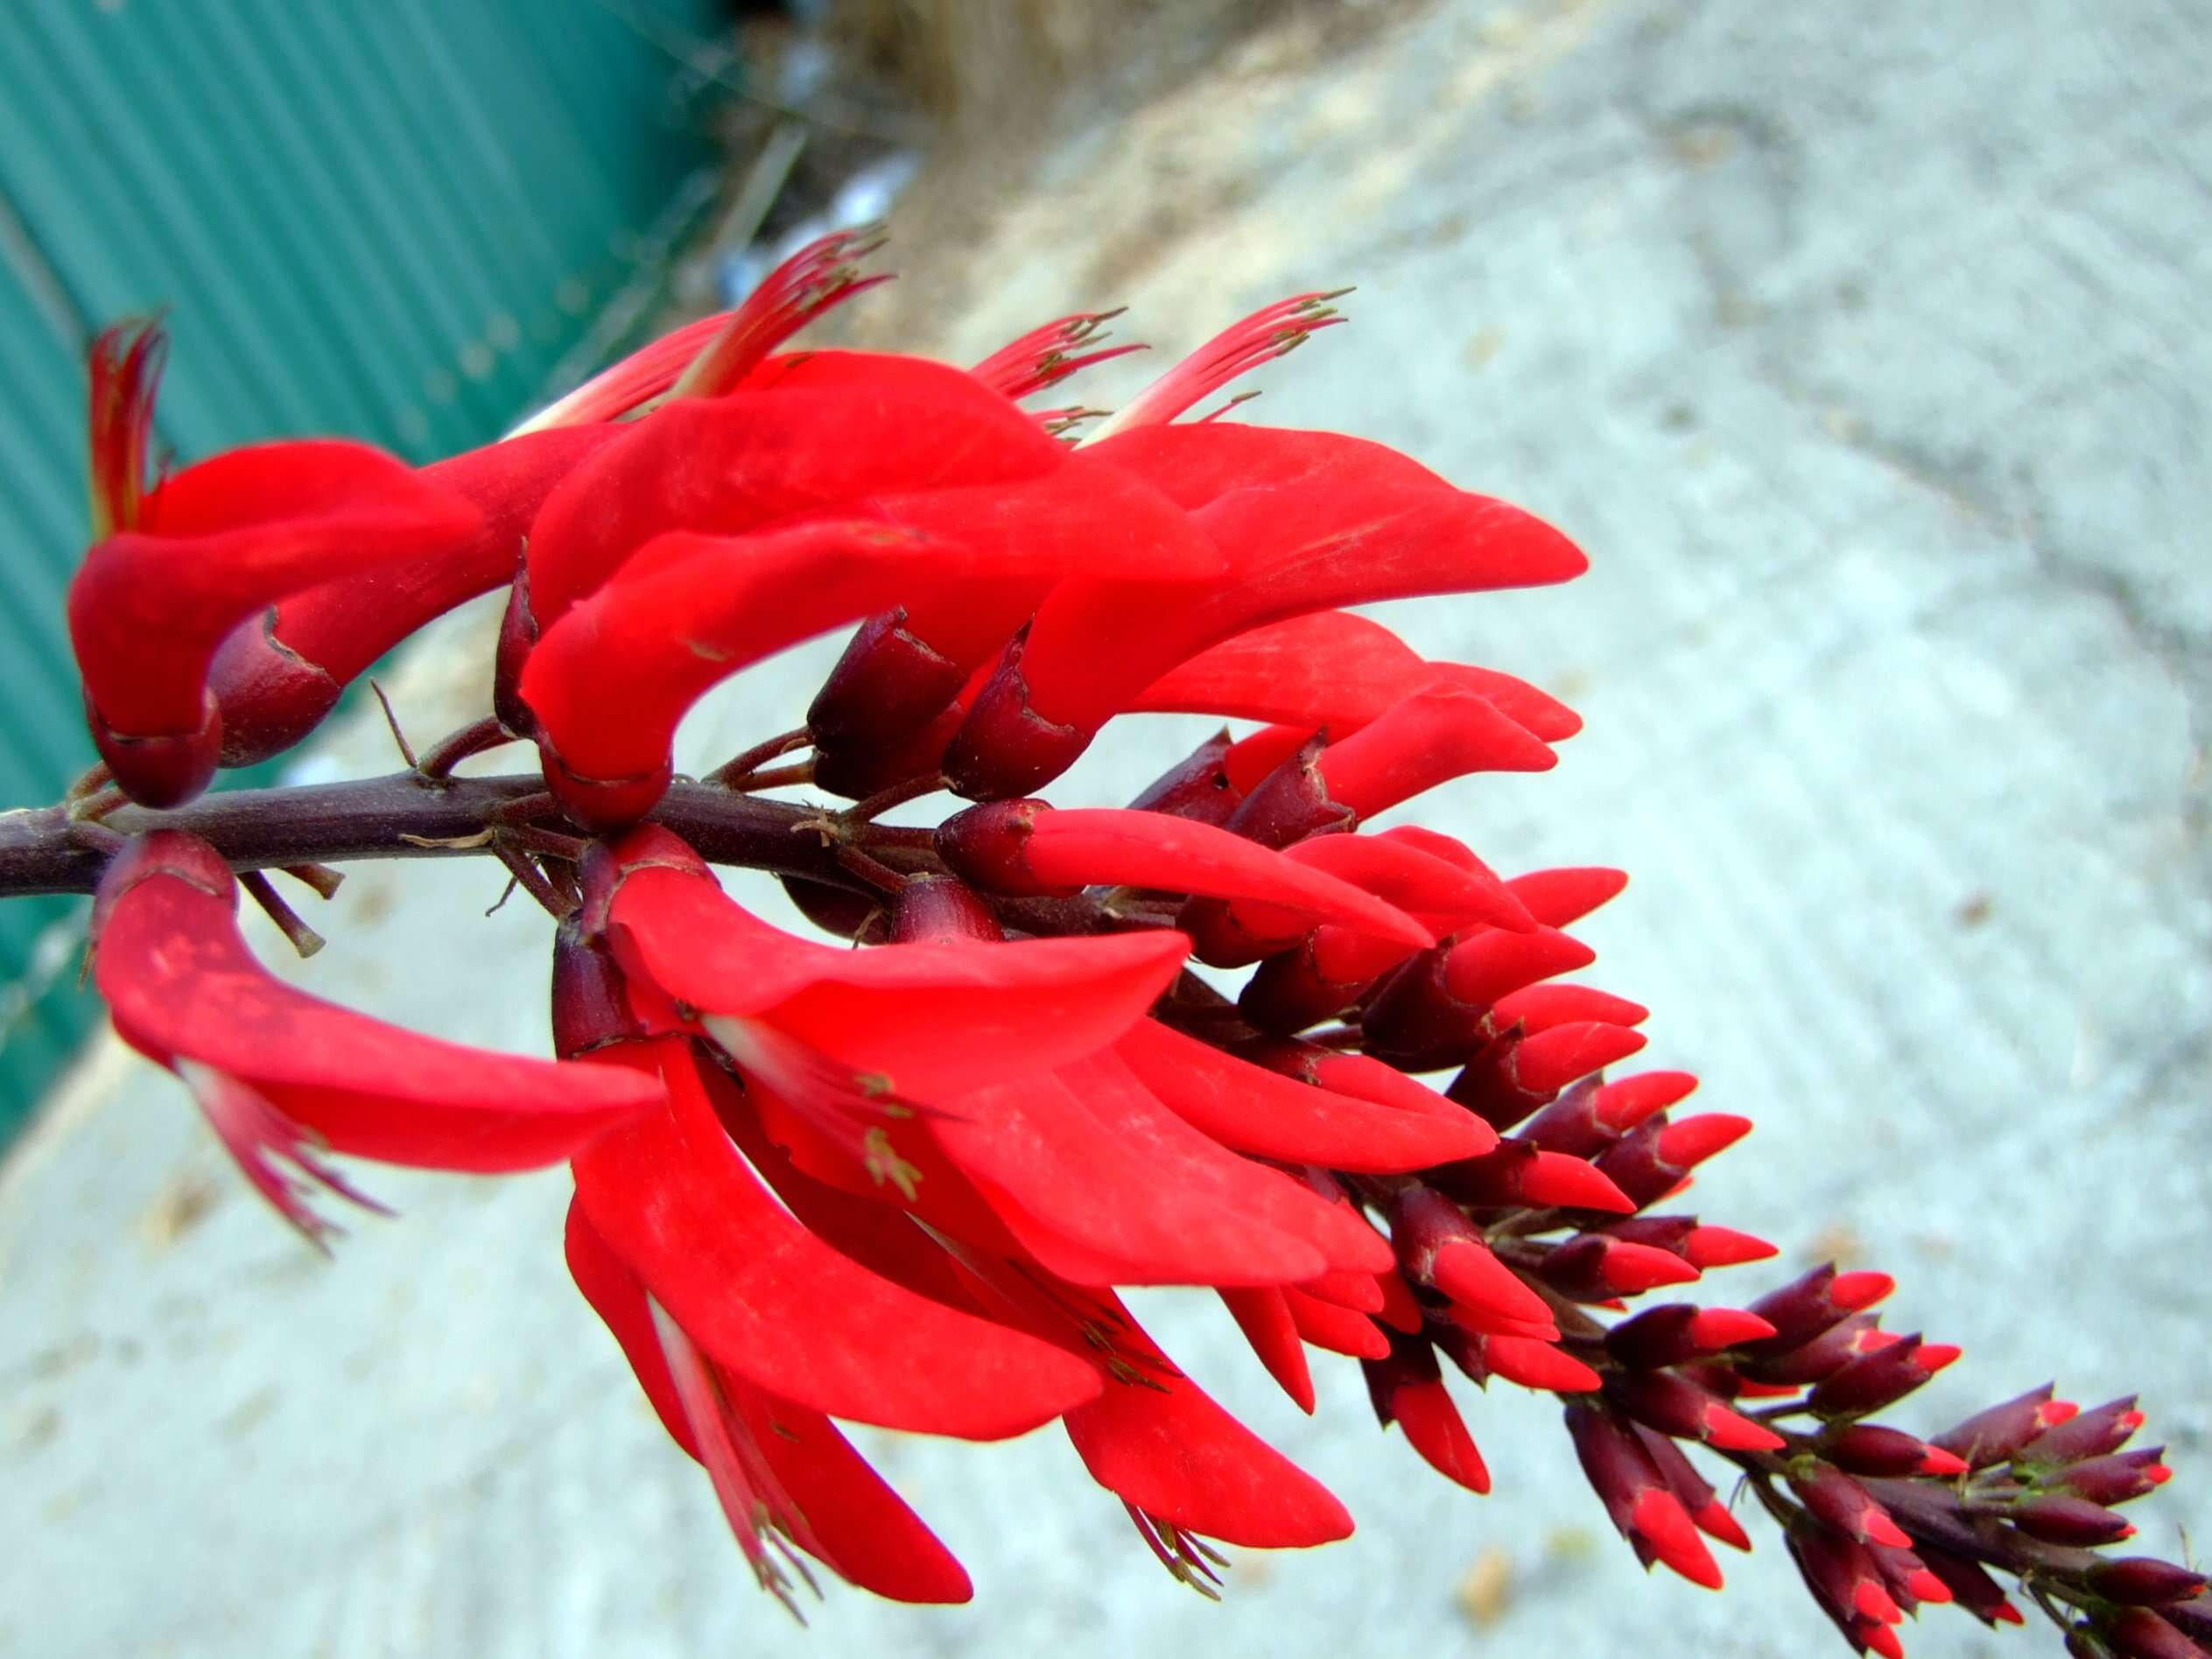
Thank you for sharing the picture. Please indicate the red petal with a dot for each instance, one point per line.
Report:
(274, 683)
(223, 539)
(856, 1524)
(1254, 1110)
(1097, 645)
(729, 464)
(775, 1304)
(933, 1019)
(1263, 1314)
(182, 986)
(1415, 879)
(1078, 847)
(1559, 897)
(1090, 1156)
(1430, 738)
(1434, 1429)
(1482, 968)
(619, 1300)
(1339, 1329)
(1537, 1365)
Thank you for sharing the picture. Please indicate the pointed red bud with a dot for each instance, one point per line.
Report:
(2115, 1479)
(2059, 1517)
(1676, 1406)
(1592, 1267)
(1676, 1332)
(2094, 1433)
(2145, 1581)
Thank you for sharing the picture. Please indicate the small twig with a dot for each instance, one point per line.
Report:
(876, 874)
(95, 778)
(777, 777)
(95, 836)
(522, 808)
(544, 842)
(738, 768)
(406, 751)
(505, 893)
(304, 939)
(325, 880)
(91, 807)
(532, 880)
(883, 800)
(478, 737)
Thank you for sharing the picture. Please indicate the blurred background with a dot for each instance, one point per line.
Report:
(1861, 349)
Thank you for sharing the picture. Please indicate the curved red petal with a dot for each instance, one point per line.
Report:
(734, 463)
(772, 1303)
(1263, 1314)
(1255, 1110)
(181, 985)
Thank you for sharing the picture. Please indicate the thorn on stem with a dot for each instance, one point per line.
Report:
(304, 939)
(325, 880)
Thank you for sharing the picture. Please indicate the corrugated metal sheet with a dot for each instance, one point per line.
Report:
(392, 221)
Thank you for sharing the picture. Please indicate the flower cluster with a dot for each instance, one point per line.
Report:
(902, 1185)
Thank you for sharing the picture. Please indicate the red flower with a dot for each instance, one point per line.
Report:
(286, 1076)
(903, 1184)
(178, 567)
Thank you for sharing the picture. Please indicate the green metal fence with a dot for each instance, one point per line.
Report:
(399, 219)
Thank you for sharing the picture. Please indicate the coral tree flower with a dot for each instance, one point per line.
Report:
(178, 566)
(283, 1075)
(905, 1185)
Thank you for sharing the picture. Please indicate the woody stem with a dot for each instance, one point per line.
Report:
(403, 815)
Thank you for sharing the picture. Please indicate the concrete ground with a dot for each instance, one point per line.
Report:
(1860, 347)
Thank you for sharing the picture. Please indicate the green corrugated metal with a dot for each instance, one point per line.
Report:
(392, 219)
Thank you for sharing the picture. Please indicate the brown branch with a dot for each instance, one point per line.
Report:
(403, 815)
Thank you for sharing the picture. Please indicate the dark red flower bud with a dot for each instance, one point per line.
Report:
(2059, 1517)
(1845, 1505)
(1516, 1173)
(1676, 1332)
(1004, 747)
(1692, 1489)
(1674, 1405)
(1195, 787)
(2093, 1433)
(1291, 802)
(1595, 1267)
(1594, 1114)
(1637, 1496)
(2140, 1634)
(2144, 1581)
(1407, 1389)
(2117, 1478)
(941, 907)
(1653, 1161)
(1517, 1074)
(1437, 1245)
(1802, 1308)
(1867, 1448)
(1875, 1380)
(1995, 1434)
(1846, 1582)
(1825, 1354)
(1970, 1587)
